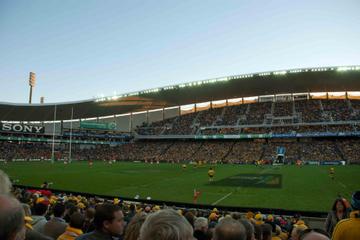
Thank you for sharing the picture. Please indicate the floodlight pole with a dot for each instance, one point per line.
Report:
(30, 94)
(32, 80)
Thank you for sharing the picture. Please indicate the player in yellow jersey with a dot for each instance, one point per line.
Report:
(332, 173)
(211, 174)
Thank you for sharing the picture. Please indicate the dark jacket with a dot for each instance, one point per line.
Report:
(96, 235)
(34, 235)
(332, 220)
(200, 235)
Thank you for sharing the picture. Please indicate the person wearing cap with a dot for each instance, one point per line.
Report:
(259, 219)
(349, 229)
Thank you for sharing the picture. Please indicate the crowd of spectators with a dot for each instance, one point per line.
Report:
(283, 109)
(181, 151)
(228, 151)
(243, 115)
(339, 109)
(244, 152)
(350, 149)
(182, 125)
(212, 151)
(27, 214)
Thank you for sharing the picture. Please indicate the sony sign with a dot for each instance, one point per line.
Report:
(21, 128)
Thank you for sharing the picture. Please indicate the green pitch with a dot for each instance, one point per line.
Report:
(286, 187)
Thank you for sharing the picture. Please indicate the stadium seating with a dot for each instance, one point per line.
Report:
(262, 117)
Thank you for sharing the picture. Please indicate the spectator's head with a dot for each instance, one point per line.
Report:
(133, 228)
(355, 201)
(339, 205)
(297, 230)
(314, 234)
(11, 219)
(236, 215)
(229, 229)
(249, 228)
(190, 217)
(201, 224)
(5, 184)
(166, 224)
(266, 231)
(70, 208)
(77, 220)
(109, 219)
(59, 210)
(40, 209)
(89, 214)
(257, 231)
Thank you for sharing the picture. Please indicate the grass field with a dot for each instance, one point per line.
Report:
(285, 187)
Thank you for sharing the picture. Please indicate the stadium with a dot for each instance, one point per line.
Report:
(261, 134)
(179, 120)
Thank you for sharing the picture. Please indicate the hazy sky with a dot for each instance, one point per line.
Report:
(82, 48)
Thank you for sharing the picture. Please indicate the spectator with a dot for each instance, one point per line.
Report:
(74, 230)
(5, 184)
(266, 231)
(166, 225)
(201, 228)
(337, 213)
(314, 234)
(133, 228)
(249, 228)
(190, 217)
(108, 221)
(257, 232)
(229, 229)
(57, 225)
(349, 229)
(297, 230)
(89, 220)
(31, 234)
(12, 224)
(40, 211)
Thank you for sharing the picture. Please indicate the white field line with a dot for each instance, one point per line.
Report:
(227, 195)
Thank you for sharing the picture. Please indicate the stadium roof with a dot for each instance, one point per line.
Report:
(321, 79)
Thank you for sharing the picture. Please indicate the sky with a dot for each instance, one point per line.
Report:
(81, 49)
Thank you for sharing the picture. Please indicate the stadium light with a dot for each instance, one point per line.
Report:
(32, 80)
(279, 73)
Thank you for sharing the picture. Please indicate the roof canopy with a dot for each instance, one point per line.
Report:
(328, 79)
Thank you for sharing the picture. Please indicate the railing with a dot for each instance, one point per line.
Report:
(276, 211)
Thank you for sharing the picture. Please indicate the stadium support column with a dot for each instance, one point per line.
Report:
(163, 114)
(130, 122)
(72, 115)
(147, 117)
(53, 139)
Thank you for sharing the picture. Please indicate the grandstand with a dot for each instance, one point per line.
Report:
(235, 123)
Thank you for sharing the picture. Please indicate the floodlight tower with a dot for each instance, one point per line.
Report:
(32, 80)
